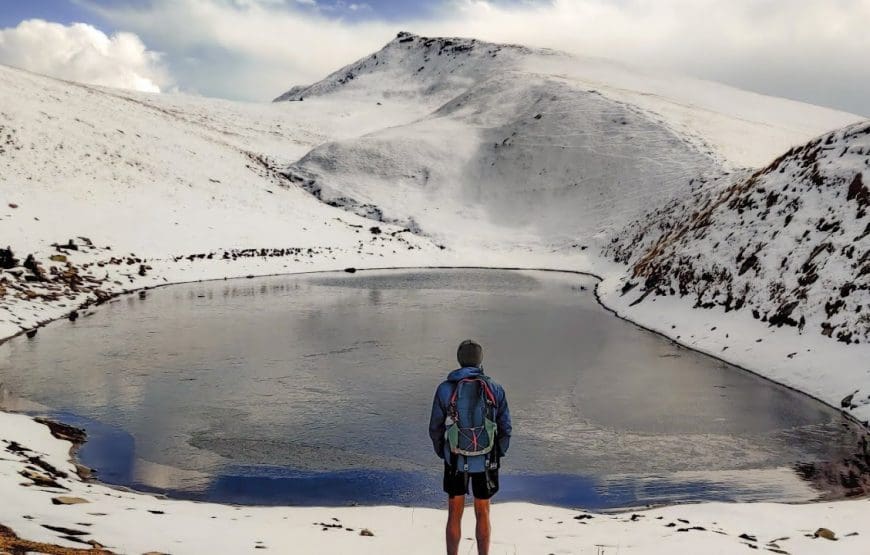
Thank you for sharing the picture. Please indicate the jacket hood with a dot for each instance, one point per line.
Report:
(462, 373)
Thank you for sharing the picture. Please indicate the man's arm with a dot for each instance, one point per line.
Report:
(436, 425)
(503, 420)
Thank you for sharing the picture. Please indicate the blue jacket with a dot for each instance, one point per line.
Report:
(439, 414)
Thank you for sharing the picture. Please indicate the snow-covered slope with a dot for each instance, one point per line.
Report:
(417, 68)
(789, 243)
(530, 157)
(530, 143)
(739, 128)
(154, 189)
(770, 270)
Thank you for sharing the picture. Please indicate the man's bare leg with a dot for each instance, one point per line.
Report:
(455, 506)
(481, 512)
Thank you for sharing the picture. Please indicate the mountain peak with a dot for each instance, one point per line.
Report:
(411, 61)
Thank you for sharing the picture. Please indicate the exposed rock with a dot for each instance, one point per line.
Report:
(11, 543)
(366, 532)
(35, 268)
(859, 192)
(66, 531)
(846, 403)
(825, 533)
(40, 479)
(7, 259)
(68, 500)
(65, 432)
(84, 472)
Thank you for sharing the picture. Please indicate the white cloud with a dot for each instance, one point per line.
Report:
(253, 51)
(811, 50)
(83, 53)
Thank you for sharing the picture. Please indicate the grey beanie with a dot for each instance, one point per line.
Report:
(469, 353)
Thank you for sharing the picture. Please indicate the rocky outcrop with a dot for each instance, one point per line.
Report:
(790, 243)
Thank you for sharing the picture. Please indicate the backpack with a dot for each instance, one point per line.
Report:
(470, 427)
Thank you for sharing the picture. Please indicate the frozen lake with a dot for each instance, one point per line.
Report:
(316, 389)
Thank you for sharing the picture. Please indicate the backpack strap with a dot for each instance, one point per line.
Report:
(484, 385)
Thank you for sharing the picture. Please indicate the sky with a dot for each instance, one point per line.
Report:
(810, 50)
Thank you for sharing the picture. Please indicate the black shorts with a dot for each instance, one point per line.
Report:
(483, 484)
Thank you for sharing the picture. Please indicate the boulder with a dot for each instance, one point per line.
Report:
(7, 259)
(846, 403)
(68, 500)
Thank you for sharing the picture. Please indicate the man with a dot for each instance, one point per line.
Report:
(470, 429)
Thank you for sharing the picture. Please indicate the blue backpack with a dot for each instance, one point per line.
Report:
(470, 423)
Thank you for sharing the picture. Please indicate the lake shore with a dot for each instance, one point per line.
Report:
(71, 513)
(32, 507)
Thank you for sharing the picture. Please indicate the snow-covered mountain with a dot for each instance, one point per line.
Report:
(417, 68)
(446, 152)
(737, 127)
(789, 243)
(429, 152)
(547, 148)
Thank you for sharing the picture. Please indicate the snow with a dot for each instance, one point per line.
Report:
(135, 523)
(537, 144)
(789, 244)
(460, 153)
(143, 183)
(534, 166)
(740, 128)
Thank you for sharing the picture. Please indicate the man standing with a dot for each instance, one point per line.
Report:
(470, 429)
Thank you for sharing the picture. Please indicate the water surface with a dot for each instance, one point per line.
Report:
(316, 389)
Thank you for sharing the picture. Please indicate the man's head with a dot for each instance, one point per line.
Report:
(469, 353)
